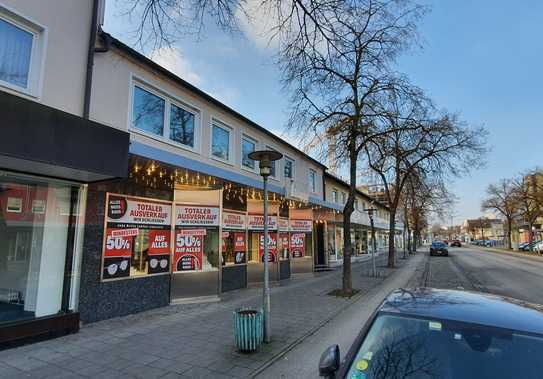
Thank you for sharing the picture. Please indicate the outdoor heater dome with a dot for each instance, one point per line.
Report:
(265, 158)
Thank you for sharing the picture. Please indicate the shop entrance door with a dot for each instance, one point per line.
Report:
(319, 245)
(196, 247)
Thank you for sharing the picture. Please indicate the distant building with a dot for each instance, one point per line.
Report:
(483, 229)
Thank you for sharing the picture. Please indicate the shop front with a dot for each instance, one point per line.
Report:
(47, 159)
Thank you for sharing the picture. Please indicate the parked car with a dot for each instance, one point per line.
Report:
(526, 246)
(456, 243)
(539, 247)
(439, 248)
(431, 333)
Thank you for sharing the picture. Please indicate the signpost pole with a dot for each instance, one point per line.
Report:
(267, 323)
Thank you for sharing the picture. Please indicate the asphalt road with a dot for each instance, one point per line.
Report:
(477, 270)
(465, 268)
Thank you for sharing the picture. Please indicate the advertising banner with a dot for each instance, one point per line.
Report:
(284, 241)
(283, 224)
(233, 220)
(196, 215)
(240, 247)
(272, 247)
(297, 245)
(189, 249)
(305, 226)
(256, 222)
(136, 227)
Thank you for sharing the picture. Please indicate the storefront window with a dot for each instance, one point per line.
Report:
(234, 237)
(331, 241)
(35, 216)
(181, 126)
(137, 237)
(148, 112)
(339, 242)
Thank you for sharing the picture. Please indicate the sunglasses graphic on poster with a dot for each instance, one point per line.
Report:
(189, 249)
(297, 245)
(272, 247)
(136, 237)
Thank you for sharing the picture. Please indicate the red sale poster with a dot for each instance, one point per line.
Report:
(159, 242)
(297, 245)
(239, 241)
(189, 249)
(272, 247)
(117, 243)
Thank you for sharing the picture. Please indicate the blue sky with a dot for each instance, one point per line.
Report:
(483, 59)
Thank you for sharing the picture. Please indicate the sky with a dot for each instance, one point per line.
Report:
(482, 59)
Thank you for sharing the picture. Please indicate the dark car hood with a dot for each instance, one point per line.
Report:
(467, 306)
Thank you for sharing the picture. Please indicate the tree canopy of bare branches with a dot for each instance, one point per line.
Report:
(502, 197)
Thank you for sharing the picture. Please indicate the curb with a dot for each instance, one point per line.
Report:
(316, 328)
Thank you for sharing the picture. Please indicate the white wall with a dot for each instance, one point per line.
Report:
(67, 28)
(114, 76)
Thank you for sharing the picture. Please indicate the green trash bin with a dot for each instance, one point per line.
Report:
(248, 329)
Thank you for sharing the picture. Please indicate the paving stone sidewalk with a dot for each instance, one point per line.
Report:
(190, 340)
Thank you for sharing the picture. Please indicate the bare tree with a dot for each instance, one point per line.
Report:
(413, 138)
(528, 190)
(501, 197)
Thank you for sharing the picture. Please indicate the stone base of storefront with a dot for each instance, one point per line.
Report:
(196, 300)
(234, 277)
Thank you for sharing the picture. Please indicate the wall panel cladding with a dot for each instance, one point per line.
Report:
(102, 300)
(234, 277)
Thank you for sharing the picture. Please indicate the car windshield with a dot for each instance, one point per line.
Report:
(403, 347)
(438, 244)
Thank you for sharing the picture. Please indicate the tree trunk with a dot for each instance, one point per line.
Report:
(347, 212)
(391, 239)
(530, 237)
(409, 240)
(509, 241)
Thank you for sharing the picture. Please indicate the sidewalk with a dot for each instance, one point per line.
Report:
(193, 340)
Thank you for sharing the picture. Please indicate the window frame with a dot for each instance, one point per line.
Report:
(278, 167)
(293, 169)
(169, 100)
(222, 125)
(245, 136)
(335, 197)
(312, 185)
(37, 54)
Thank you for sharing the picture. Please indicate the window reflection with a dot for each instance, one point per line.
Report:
(148, 112)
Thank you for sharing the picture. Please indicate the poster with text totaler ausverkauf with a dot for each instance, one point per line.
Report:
(137, 233)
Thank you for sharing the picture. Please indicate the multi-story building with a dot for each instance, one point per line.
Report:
(483, 229)
(125, 188)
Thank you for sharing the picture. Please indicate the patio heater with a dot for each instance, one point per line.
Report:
(265, 159)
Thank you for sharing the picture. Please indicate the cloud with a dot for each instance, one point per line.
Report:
(256, 20)
(173, 60)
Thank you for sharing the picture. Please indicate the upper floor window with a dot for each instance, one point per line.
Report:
(220, 142)
(181, 126)
(343, 197)
(356, 206)
(273, 173)
(289, 168)
(148, 112)
(334, 196)
(20, 53)
(312, 180)
(248, 145)
(160, 116)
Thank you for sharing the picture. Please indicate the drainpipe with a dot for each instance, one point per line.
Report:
(90, 56)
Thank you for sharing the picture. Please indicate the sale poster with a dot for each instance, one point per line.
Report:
(272, 247)
(300, 225)
(233, 220)
(240, 248)
(297, 245)
(136, 229)
(196, 215)
(189, 249)
(256, 222)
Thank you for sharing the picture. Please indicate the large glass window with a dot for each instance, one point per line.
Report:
(33, 245)
(220, 142)
(15, 54)
(148, 112)
(247, 147)
(181, 126)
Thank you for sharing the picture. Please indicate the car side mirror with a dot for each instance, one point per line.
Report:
(329, 362)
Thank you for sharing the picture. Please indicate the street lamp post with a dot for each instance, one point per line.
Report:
(265, 159)
(370, 211)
